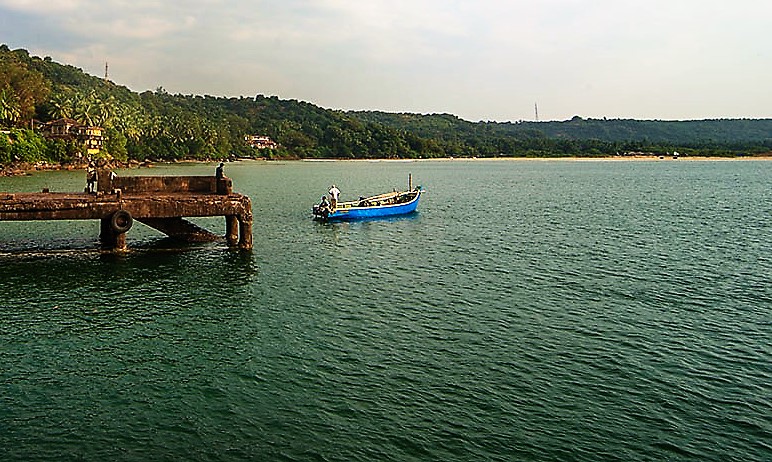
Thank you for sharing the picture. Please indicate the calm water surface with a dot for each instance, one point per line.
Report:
(566, 310)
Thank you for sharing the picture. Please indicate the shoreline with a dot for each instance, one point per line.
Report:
(25, 169)
(766, 157)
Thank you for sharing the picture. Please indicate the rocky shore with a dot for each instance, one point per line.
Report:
(26, 168)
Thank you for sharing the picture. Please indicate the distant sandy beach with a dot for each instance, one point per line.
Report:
(547, 159)
(606, 158)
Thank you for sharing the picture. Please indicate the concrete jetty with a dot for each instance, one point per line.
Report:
(161, 202)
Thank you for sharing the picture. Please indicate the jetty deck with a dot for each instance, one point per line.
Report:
(162, 202)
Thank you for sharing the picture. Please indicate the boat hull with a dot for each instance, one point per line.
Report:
(350, 213)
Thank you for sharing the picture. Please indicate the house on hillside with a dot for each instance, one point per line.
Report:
(69, 130)
(260, 142)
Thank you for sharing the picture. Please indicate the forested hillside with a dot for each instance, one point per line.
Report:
(589, 136)
(156, 125)
(680, 132)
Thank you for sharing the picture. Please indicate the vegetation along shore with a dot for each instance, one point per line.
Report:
(56, 116)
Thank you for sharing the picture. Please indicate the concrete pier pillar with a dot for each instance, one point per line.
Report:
(245, 232)
(105, 232)
(232, 230)
(109, 238)
(120, 242)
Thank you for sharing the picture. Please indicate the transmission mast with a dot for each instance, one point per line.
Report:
(536, 111)
(105, 71)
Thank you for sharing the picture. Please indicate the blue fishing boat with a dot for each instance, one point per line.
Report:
(382, 205)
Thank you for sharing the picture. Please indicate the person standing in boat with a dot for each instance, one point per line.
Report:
(334, 193)
(218, 172)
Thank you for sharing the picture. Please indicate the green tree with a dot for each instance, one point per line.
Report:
(62, 106)
(115, 144)
(10, 111)
(27, 88)
(23, 145)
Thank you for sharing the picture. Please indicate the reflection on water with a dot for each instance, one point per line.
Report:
(30, 276)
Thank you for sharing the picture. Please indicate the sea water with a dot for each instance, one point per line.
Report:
(530, 310)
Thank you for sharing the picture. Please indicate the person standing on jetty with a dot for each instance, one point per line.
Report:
(334, 193)
(91, 177)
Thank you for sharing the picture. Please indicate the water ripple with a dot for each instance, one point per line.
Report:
(594, 311)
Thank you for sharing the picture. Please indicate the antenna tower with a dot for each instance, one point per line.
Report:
(105, 71)
(536, 111)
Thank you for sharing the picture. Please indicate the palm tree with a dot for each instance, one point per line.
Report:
(105, 110)
(130, 121)
(10, 111)
(62, 106)
(84, 109)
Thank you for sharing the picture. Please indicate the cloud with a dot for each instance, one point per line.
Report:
(110, 19)
(37, 7)
(142, 28)
(479, 59)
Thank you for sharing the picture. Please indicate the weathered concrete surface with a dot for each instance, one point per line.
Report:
(163, 184)
(69, 206)
(160, 202)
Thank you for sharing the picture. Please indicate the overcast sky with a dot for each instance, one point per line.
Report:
(478, 59)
